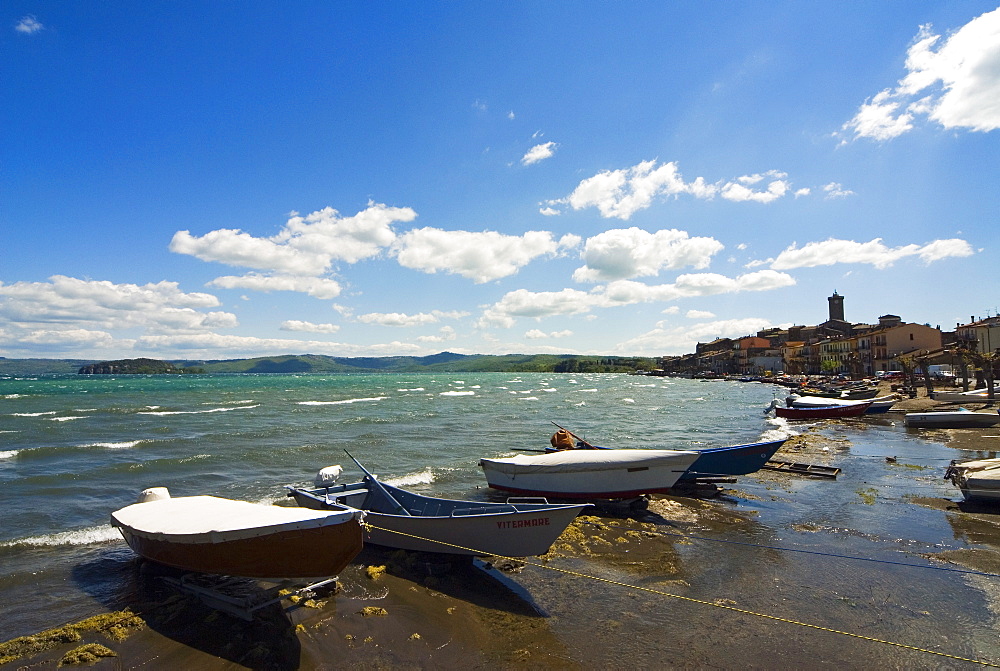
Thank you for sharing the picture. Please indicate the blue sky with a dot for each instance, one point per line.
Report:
(221, 180)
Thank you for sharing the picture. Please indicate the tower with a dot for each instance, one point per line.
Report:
(836, 307)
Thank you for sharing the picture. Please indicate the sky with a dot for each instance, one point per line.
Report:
(192, 180)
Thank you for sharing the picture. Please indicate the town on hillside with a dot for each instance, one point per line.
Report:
(840, 347)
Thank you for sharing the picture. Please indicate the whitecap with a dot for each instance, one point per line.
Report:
(195, 412)
(549, 389)
(32, 414)
(628, 400)
(8, 454)
(87, 536)
(64, 419)
(344, 401)
(423, 477)
(115, 446)
(580, 403)
(457, 393)
(588, 390)
(414, 389)
(782, 430)
(528, 398)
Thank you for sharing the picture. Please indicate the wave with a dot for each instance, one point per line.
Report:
(250, 400)
(346, 400)
(414, 389)
(87, 536)
(8, 454)
(782, 429)
(628, 400)
(193, 412)
(32, 414)
(424, 477)
(528, 398)
(64, 419)
(118, 446)
(457, 393)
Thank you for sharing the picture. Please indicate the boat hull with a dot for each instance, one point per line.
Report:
(979, 479)
(976, 396)
(590, 474)
(277, 551)
(467, 527)
(729, 461)
(878, 405)
(824, 412)
(959, 419)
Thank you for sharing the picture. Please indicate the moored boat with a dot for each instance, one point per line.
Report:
(979, 479)
(714, 462)
(589, 474)
(974, 396)
(208, 534)
(951, 419)
(822, 412)
(879, 405)
(400, 519)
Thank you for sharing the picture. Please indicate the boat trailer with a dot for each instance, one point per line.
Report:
(243, 597)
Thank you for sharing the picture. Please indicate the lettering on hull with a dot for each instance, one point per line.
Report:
(516, 524)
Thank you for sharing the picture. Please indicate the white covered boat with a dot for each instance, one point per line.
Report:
(878, 405)
(974, 396)
(208, 534)
(978, 479)
(951, 419)
(589, 474)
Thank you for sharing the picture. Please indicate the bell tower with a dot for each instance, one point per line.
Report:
(836, 307)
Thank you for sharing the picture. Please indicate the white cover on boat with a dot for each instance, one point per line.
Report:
(210, 519)
(577, 461)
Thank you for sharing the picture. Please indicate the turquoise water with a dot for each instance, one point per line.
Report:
(73, 449)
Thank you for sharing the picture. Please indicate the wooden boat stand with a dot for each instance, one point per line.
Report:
(241, 597)
(803, 469)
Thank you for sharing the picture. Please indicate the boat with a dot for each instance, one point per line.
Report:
(209, 534)
(951, 419)
(979, 479)
(589, 474)
(821, 412)
(712, 462)
(974, 396)
(879, 405)
(396, 518)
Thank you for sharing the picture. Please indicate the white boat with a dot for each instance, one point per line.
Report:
(951, 419)
(974, 396)
(208, 534)
(978, 479)
(397, 518)
(878, 405)
(589, 474)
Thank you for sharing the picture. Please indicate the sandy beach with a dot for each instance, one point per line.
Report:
(624, 590)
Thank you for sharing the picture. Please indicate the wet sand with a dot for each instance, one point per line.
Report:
(668, 582)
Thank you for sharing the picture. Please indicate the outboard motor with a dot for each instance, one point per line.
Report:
(327, 476)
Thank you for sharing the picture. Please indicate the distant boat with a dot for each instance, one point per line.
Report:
(208, 534)
(589, 474)
(821, 412)
(974, 396)
(951, 419)
(877, 405)
(978, 479)
(397, 518)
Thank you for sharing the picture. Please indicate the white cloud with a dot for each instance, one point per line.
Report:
(316, 287)
(308, 327)
(28, 25)
(535, 334)
(832, 251)
(549, 211)
(205, 345)
(622, 193)
(835, 190)
(682, 339)
(538, 305)
(445, 333)
(305, 246)
(699, 314)
(480, 256)
(398, 319)
(632, 252)
(961, 80)
(539, 152)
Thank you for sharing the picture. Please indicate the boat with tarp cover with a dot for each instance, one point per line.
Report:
(208, 534)
(589, 474)
(979, 479)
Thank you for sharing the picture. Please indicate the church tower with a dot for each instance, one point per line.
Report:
(836, 307)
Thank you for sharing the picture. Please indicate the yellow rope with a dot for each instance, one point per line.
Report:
(693, 600)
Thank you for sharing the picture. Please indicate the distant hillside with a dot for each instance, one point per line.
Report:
(444, 362)
(135, 367)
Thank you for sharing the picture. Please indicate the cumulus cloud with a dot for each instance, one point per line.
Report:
(874, 252)
(835, 190)
(318, 287)
(633, 252)
(699, 314)
(538, 305)
(539, 152)
(399, 319)
(480, 256)
(203, 345)
(954, 82)
(308, 327)
(305, 246)
(28, 25)
(664, 340)
(622, 193)
(444, 334)
(535, 334)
